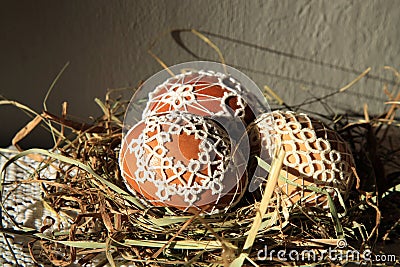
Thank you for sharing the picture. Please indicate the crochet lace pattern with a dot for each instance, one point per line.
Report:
(190, 176)
(24, 204)
(315, 154)
(186, 92)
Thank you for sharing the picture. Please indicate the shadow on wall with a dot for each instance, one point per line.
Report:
(177, 37)
(322, 88)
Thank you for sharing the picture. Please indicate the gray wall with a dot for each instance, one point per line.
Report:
(298, 48)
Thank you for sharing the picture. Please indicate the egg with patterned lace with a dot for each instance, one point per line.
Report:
(204, 93)
(181, 160)
(315, 157)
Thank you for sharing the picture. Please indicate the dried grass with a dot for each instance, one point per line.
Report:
(97, 221)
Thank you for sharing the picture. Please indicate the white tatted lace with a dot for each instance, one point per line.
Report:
(153, 162)
(180, 94)
(294, 130)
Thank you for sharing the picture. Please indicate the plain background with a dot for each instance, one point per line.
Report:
(299, 48)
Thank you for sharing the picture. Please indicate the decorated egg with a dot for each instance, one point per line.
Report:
(182, 160)
(204, 93)
(185, 142)
(314, 156)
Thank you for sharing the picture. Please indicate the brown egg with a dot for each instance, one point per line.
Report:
(202, 93)
(181, 160)
(315, 156)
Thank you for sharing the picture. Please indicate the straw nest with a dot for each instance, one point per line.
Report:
(96, 221)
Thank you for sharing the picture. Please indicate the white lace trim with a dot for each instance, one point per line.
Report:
(293, 130)
(179, 93)
(152, 162)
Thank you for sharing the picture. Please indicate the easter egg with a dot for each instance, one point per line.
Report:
(315, 156)
(204, 93)
(181, 160)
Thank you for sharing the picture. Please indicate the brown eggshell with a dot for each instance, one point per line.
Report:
(315, 156)
(164, 147)
(200, 93)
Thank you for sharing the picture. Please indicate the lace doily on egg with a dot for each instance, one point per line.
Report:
(187, 92)
(205, 172)
(315, 154)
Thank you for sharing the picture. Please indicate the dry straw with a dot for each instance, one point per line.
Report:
(95, 220)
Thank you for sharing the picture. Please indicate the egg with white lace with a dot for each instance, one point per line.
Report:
(314, 156)
(204, 93)
(181, 160)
